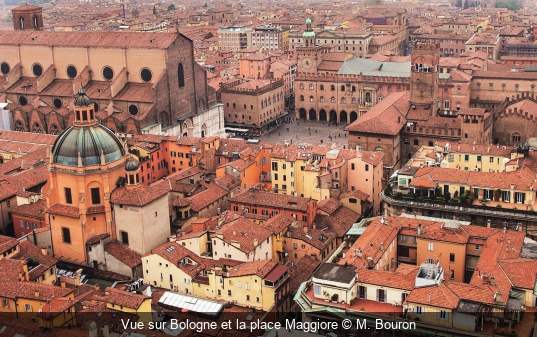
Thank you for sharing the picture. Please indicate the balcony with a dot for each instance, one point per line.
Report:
(407, 243)
(487, 211)
(406, 260)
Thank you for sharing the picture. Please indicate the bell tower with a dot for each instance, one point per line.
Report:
(27, 17)
(424, 74)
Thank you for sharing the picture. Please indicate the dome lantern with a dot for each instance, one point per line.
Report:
(84, 109)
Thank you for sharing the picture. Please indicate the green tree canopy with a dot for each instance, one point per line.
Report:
(171, 7)
(512, 5)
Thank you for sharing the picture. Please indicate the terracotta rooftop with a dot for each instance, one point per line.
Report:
(137, 196)
(123, 254)
(83, 39)
(256, 197)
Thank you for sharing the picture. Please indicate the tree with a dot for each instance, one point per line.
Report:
(459, 3)
(388, 190)
(512, 5)
(465, 4)
(208, 36)
(171, 7)
(154, 10)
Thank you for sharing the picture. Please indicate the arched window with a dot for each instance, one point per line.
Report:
(21, 20)
(36, 23)
(322, 99)
(446, 104)
(333, 87)
(359, 148)
(312, 99)
(302, 98)
(516, 137)
(430, 143)
(368, 97)
(333, 100)
(342, 88)
(301, 86)
(353, 88)
(321, 87)
(343, 100)
(380, 98)
(353, 100)
(181, 75)
(379, 149)
(416, 142)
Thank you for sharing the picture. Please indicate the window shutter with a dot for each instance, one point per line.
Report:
(378, 295)
(365, 293)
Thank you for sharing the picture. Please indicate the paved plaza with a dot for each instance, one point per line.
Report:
(308, 132)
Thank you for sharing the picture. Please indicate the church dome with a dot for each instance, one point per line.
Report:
(308, 21)
(82, 99)
(131, 166)
(88, 141)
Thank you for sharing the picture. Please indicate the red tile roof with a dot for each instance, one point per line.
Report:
(138, 195)
(244, 232)
(436, 296)
(69, 211)
(123, 298)
(83, 39)
(123, 254)
(387, 117)
(176, 253)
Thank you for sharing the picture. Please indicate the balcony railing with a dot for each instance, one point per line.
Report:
(462, 208)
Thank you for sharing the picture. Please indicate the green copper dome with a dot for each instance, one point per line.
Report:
(131, 166)
(82, 99)
(88, 141)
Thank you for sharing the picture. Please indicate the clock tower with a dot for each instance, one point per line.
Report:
(310, 57)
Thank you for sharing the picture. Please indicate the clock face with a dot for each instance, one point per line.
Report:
(306, 63)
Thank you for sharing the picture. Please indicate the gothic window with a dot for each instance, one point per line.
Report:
(516, 137)
(180, 75)
(322, 99)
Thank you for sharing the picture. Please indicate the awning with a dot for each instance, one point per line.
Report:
(236, 130)
(394, 174)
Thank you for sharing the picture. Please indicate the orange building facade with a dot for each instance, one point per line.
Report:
(84, 165)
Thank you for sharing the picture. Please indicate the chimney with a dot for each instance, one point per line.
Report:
(488, 148)
(473, 146)
(77, 276)
(498, 297)
(360, 252)
(105, 330)
(37, 294)
(382, 246)
(25, 269)
(488, 223)
(234, 232)
(62, 284)
(314, 226)
(459, 147)
(305, 229)
(429, 299)
(420, 230)
(44, 251)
